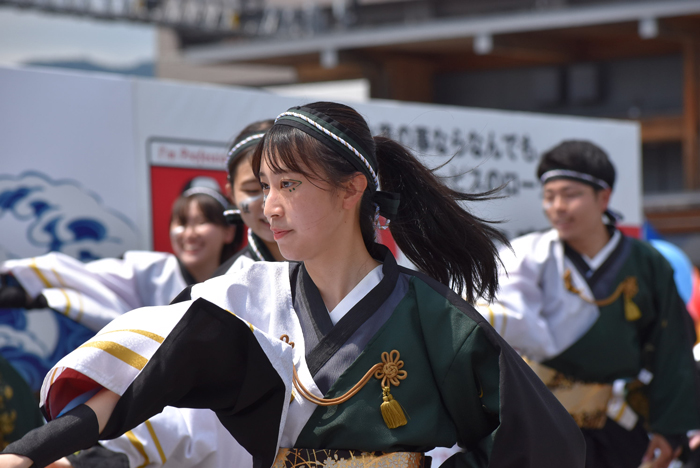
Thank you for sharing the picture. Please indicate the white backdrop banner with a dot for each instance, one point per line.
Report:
(78, 153)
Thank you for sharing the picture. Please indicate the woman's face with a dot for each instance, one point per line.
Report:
(198, 243)
(305, 216)
(248, 197)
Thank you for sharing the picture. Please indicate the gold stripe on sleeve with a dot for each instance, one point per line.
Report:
(53, 376)
(65, 294)
(63, 283)
(139, 448)
(58, 277)
(147, 334)
(619, 414)
(38, 272)
(157, 442)
(120, 352)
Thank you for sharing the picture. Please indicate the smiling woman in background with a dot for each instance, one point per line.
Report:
(94, 293)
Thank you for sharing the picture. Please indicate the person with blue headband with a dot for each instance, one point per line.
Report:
(339, 356)
(598, 316)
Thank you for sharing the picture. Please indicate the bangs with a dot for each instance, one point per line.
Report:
(287, 149)
(210, 208)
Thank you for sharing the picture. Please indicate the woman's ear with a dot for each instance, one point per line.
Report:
(354, 189)
(229, 192)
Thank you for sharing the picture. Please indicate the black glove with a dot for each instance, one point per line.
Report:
(13, 295)
(76, 430)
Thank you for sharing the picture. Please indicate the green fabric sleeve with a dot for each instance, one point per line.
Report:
(503, 413)
(673, 391)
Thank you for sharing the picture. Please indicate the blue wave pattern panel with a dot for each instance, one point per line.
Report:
(29, 355)
(52, 215)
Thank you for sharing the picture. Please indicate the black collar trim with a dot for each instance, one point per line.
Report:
(334, 337)
(186, 275)
(592, 277)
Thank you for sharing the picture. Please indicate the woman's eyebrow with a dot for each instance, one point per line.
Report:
(275, 171)
(281, 170)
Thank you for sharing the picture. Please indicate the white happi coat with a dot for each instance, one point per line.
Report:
(533, 311)
(94, 293)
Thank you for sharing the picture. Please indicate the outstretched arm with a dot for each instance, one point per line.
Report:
(78, 429)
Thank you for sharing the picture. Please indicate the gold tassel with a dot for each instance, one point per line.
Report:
(392, 411)
(630, 289)
(632, 312)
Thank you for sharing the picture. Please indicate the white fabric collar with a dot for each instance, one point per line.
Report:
(595, 262)
(358, 292)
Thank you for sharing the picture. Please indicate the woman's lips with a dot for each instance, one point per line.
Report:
(279, 233)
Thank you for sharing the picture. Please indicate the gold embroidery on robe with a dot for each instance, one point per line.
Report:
(309, 458)
(586, 402)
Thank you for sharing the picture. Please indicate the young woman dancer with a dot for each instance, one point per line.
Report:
(352, 332)
(94, 293)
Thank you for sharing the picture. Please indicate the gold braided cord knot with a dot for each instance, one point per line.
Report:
(628, 288)
(388, 371)
(391, 369)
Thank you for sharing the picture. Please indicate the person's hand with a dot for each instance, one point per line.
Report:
(665, 453)
(694, 441)
(10, 460)
(62, 463)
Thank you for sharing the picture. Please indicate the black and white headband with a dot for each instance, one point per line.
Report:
(575, 175)
(245, 143)
(337, 136)
(206, 191)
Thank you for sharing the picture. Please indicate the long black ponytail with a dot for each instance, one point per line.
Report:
(432, 228)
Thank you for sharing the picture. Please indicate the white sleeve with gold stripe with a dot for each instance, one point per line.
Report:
(95, 293)
(533, 311)
(197, 354)
(181, 437)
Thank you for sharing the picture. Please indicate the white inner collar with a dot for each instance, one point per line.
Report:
(595, 262)
(358, 292)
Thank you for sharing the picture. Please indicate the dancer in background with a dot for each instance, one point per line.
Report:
(195, 437)
(245, 192)
(94, 293)
(352, 332)
(587, 306)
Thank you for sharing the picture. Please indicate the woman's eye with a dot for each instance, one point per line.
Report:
(264, 186)
(290, 185)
